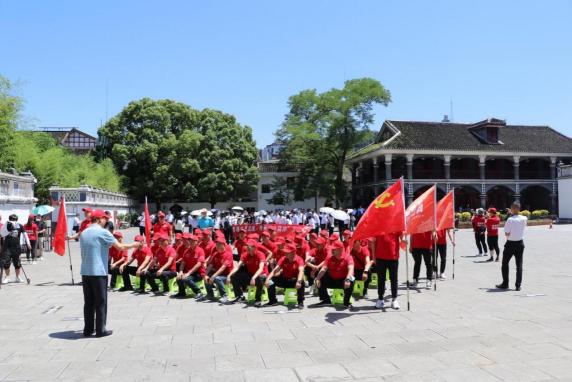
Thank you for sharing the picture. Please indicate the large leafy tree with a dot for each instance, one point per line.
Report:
(321, 129)
(10, 105)
(168, 151)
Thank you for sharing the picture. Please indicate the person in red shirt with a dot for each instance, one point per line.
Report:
(207, 244)
(218, 269)
(347, 235)
(312, 242)
(240, 241)
(251, 270)
(86, 222)
(280, 243)
(178, 241)
(163, 227)
(142, 256)
(325, 234)
(288, 273)
(442, 250)
(315, 259)
(387, 259)
(337, 272)
(269, 245)
(191, 269)
(32, 231)
(116, 259)
(184, 244)
(272, 231)
(362, 262)
(421, 244)
(479, 228)
(492, 223)
(163, 266)
(302, 247)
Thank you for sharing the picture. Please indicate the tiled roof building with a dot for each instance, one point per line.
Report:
(489, 163)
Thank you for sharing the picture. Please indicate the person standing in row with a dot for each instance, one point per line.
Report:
(493, 223)
(387, 261)
(514, 246)
(95, 242)
(442, 250)
(421, 244)
(480, 228)
(32, 232)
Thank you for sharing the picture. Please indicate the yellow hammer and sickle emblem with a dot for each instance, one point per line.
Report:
(380, 201)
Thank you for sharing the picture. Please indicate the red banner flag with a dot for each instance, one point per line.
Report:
(61, 230)
(446, 212)
(147, 224)
(420, 216)
(384, 215)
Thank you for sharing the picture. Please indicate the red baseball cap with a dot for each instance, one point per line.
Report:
(117, 234)
(493, 210)
(313, 235)
(347, 232)
(193, 238)
(324, 233)
(163, 236)
(197, 231)
(138, 238)
(280, 240)
(156, 237)
(253, 236)
(252, 243)
(97, 214)
(31, 216)
(178, 236)
(335, 236)
(320, 241)
(161, 214)
(337, 245)
(207, 232)
(241, 230)
(186, 235)
(220, 240)
(86, 209)
(265, 233)
(289, 249)
(271, 228)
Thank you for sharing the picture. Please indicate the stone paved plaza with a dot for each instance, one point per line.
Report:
(464, 331)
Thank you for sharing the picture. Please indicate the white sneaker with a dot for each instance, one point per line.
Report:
(443, 276)
(429, 284)
(380, 304)
(19, 280)
(413, 284)
(34, 262)
(394, 304)
(5, 281)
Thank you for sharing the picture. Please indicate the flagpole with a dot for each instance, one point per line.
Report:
(454, 245)
(407, 271)
(71, 266)
(435, 264)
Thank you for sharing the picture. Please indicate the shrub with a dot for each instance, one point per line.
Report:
(525, 213)
(502, 216)
(465, 216)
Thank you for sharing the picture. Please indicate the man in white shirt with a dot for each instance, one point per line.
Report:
(514, 246)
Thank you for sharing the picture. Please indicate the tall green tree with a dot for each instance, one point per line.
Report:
(167, 150)
(10, 105)
(321, 129)
(283, 195)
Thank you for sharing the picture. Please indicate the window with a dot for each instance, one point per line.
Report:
(265, 188)
(16, 189)
(4, 187)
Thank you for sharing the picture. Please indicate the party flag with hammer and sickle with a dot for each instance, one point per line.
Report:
(384, 215)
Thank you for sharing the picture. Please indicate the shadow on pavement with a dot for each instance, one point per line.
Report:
(67, 335)
(494, 290)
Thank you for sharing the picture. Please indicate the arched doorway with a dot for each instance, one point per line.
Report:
(535, 198)
(421, 190)
(465, 168)
(466, 198)
(499, 197)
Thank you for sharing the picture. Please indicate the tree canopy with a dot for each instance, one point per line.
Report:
(166, 150)
(10, 105)
(321, 129)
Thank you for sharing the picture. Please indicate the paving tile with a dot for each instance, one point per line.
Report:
(370, 368)
(286, 360)
(516, 372)
(274, 375)
(323, 373)
(238, 362)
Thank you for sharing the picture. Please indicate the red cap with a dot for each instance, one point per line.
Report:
(86, 209)
(265, 233)
(138, 238)
(337, 245)
(207, 232)
(313, 235)
(298, 230)
(161, 214)
(220, 240)
(493, 210)
(117, 234)
(299, 238)
(163, 236)
(193, 238)
(279, 240)
(156, 237)
(98, 214)
(335, 236)
(289, 239)
(320, 241)
(197, 231)
(253, 236)
(31, 216)
(241, 230)
(185, 235)
(324, 233)
(178, 236)
(252, 243)
(289, 249)
(347, 232)
(219, 234)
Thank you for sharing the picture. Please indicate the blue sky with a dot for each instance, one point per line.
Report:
(511, 60)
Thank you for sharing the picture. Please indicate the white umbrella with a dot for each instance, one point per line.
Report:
(198, 212)
(183, 213)
(327, 210)
(262, 212)
(237, 208)
(340, 215)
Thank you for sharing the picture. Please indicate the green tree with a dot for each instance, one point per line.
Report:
(168, 151)
(10, 106)
(283, 195)
(321, 129)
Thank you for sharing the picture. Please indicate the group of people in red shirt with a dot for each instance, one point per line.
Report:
(487, 227)
(268, 260)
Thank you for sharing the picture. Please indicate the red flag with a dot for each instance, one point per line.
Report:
(61, 230)
(147, 224)
(420, 216)
(446, 212)
(385, 214)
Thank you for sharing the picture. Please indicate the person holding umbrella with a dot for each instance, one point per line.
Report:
(204, 220)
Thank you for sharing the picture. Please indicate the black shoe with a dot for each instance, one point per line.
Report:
(497, 259)
(104, 334)
(179, 295)
(88, 334)
(349, 306)
(517, 288)
(125, 289)
(142, 291)
(300, 305)
(271, 303)
(490, 259)
(502, 286)
(258, 304)
(324, 302)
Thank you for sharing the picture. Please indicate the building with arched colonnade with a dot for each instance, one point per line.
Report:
(488, 163)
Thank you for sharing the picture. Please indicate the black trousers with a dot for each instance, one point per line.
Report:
(328, 282)
(358, 274)
(113, 272)
(241, 279)
(442, 253)
(480, 241)
(141, 231)
(127, 272)
(493, 242)
(516, 249)
(285, 283)
(190, 282)
(152, 276)
(94, 304)
(382, 266)
(418, 254)
(32, 250)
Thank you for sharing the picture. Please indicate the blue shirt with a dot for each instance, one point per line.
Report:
(95, 242)
(205, 222)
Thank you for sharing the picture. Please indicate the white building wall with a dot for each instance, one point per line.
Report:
(267, 178)
(565, 192)
(16, 196)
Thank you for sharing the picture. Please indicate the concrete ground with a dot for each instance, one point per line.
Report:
(464, 331)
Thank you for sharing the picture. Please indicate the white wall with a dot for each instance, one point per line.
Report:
(565, 198)
(22, 210)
